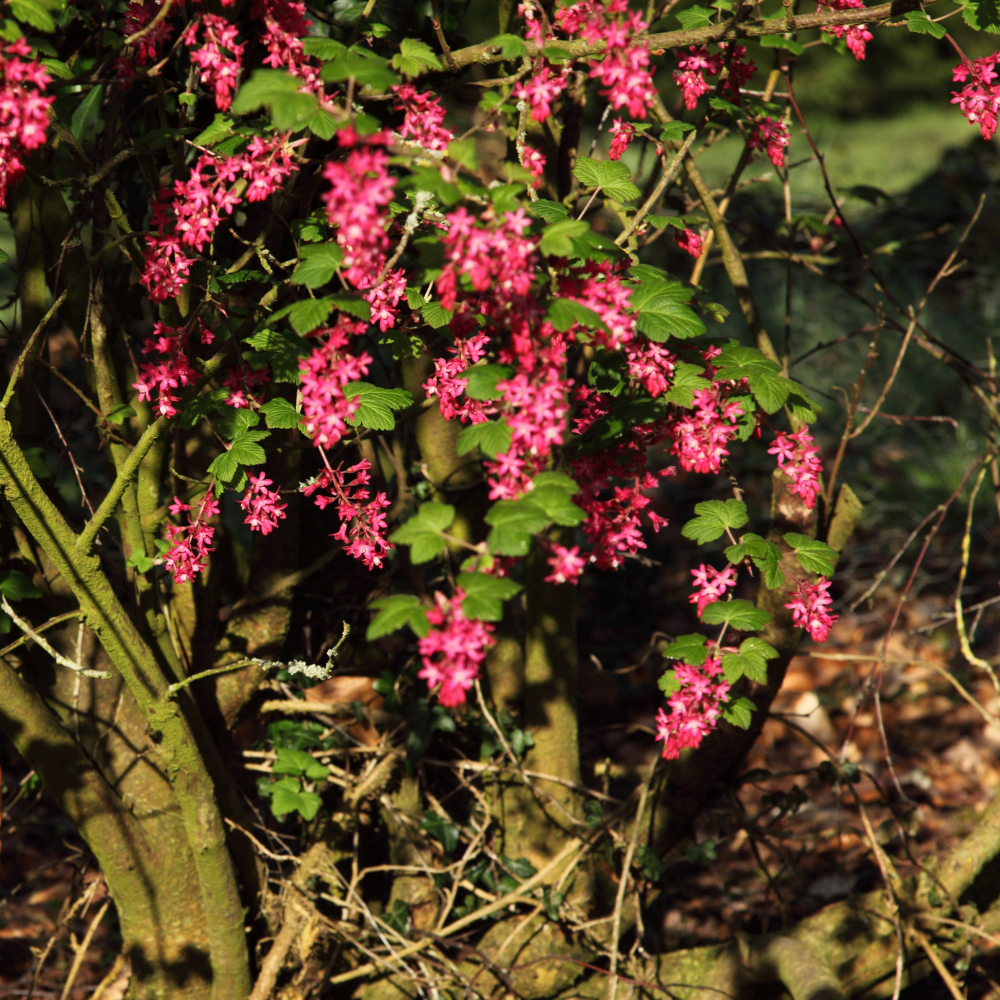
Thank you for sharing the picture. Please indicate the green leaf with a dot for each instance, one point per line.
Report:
(481, 380)
(396, 611)
(485, 594)
(748, 545)
(780, 42)
(319, 264)
(58, 68)
(513, 522)
(233, 421)
(556, 54)
(668, 683)
(688, 379)
(287, 797)
(353, 305)
(34, 13)
(435, 315)
(422, 532)
(721, 104)
(737, 614)
(221, 128)
(612, 176)
(557, 238)
(323, 125)
(558, 479)
(750, 661)
(694, 17)
(307, 315)
(688, 649)
(242, 452)
(262, 88)
(714, 517)
(414, 57)
(674, 131)
(140, 561)
(282, 352)
(662, 312)
(280, 414)
(377, 405)
(555, 502)
(550, 211)
(492, 437)
(813, 555)
(441, 829)
(769, 387)
(16, 586)
(982, 15)
(366, 67)
(563, 313)
(200, 406)
(87, 116)
(120, 414)
(511, 47)
(300, 763)
(770, 566)
(739, 713)
(324, 49)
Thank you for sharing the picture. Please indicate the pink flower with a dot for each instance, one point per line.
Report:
(702, 433)
(453, 652)
(797, 458)
(694, 708)
(541, 90)
(689, 240)
(621, 133)
(712, 585)
(189, 545)
(447, 384)
(857, 36)
(423, 118)
(24, 112)
(567, 564)
(979, 99)
(771, 136)
(167, 375)
(220, 56)
(809, 605)
(534, 161)
(260, 503)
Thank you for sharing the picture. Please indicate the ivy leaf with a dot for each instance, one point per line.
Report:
(423, 531)
(15, 586)
(737, 614)
(557, 238)
(612, 176)
(688, 379)
(280, 414)
(739, 713)
(750, 661)
(688, 649)
(396, 611)
(714, 517)
(492, 437)
(300, 763)
(242, 452)
(813, 555)
(319, 264)
(481, 380)
(377, 405)
(550, 211)
(513, 522)
(287, 797)
(485, 594)
(414, 57)
(441, 829)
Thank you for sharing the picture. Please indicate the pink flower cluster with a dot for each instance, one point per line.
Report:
(448, 385)
(809, 606)
(423, 118)
(163, 377)
(453, 652)
(697, 61)
(979, 98)
(325, 372)
(284, 25)
(24, 110)
(689, 240)
(534, 162)
(702, 433)
(190, 544)
(798, 458)
(261, 505)
(772, 137)
(621, 134)
(384, 297)
(219, 58)
(541, 91)
(567, 564)
(363, 524)
(625, 67)
(167, 267)
(712, 585)
(857, 36)
(694, 709)
(360, 190)
(241, 382)
(147, 48)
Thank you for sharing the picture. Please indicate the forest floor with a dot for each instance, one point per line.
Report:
(788, 842)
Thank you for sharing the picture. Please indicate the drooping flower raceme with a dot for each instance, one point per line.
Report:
(189, 545)
(857, 36)
(694, 708)
(798, 458)
(979, 98)
(261, 504)
(809, 604)
(453, 651)
(771, 137)
(24, 109)
(712, 585)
